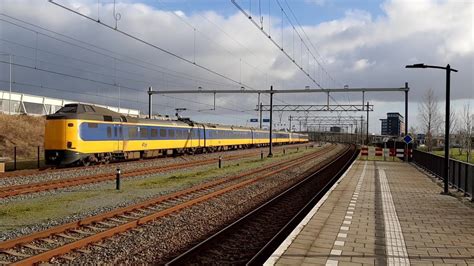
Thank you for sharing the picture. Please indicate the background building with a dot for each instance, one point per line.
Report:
(21, 103)
(393, 125)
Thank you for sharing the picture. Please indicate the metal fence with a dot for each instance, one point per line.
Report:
(461, 174)
(23, 158)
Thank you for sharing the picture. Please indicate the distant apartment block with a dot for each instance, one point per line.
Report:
(393, 125)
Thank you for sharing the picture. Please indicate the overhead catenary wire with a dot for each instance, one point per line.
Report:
(115, 83)
(154, 46)
(106, 55)
(171, 72)
(306, 35)
(92, 64)
(170, 107)
(196, 29)
(268, 35)
(151, 45)
(95, 81)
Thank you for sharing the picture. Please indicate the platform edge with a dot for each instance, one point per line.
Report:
(291, 237)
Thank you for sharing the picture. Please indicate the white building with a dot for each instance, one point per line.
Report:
(20, 103)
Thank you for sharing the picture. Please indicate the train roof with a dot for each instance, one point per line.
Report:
(97, 113)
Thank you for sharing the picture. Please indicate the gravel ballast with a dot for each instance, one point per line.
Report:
(158, 241)
(43, 210)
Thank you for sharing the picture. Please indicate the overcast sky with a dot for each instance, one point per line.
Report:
(359, 43)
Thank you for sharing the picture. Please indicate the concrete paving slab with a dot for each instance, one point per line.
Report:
(383, 213)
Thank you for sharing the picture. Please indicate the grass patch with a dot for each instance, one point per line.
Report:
(454, 154)
(20, 213)
(28, 212)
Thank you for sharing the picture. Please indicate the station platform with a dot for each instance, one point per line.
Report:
(382, 213)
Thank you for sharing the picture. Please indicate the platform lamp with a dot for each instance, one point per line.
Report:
(446, 124)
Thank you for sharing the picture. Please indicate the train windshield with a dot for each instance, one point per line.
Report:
(68, 109)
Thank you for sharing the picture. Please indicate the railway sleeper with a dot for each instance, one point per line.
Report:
(33, 247)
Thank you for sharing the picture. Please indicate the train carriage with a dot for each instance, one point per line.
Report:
(80, 133)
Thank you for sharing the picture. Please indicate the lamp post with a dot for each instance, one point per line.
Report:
(446, 124)
(10, 82)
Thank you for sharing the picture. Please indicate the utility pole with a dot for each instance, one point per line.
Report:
(260, 115)
(10, 95)
(367, 124)
(270, 154)
(406, 109)
(150, 103)
(290, 123)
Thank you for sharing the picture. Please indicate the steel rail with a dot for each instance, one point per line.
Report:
(30, 172)
(266, 250)
(5, 246)
(182, 258)
(10, 191)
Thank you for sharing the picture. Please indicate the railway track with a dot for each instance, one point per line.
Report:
(31, 172)
(253, 238)
(59, 240)
(10, 191)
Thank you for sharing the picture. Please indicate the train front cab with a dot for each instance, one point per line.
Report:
(60, 141)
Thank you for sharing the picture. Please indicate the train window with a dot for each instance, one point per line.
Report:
(115, 131)
(68, 109)
(178, 133)
(109, 132)
(108, 118)
(143, 132)
(154, 132)
(120, 132)
(171, 133)
(162, 132)
(132, 132)
(92, 125)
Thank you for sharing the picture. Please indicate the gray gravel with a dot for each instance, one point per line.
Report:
(159, 240)
(5, 235)
(43, 176)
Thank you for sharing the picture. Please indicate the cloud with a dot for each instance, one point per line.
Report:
(362, 64)
(361, 50)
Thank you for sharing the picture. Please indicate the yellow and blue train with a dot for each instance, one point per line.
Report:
(85, 134)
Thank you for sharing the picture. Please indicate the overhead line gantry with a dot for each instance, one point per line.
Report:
(404, 89)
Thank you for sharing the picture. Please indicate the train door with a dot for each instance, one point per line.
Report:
(117, 135)
(197, 136)
(203, 136)
(252, 137)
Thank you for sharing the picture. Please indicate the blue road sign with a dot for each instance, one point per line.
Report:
(253, 119)
(407, 139)
(266, 120)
